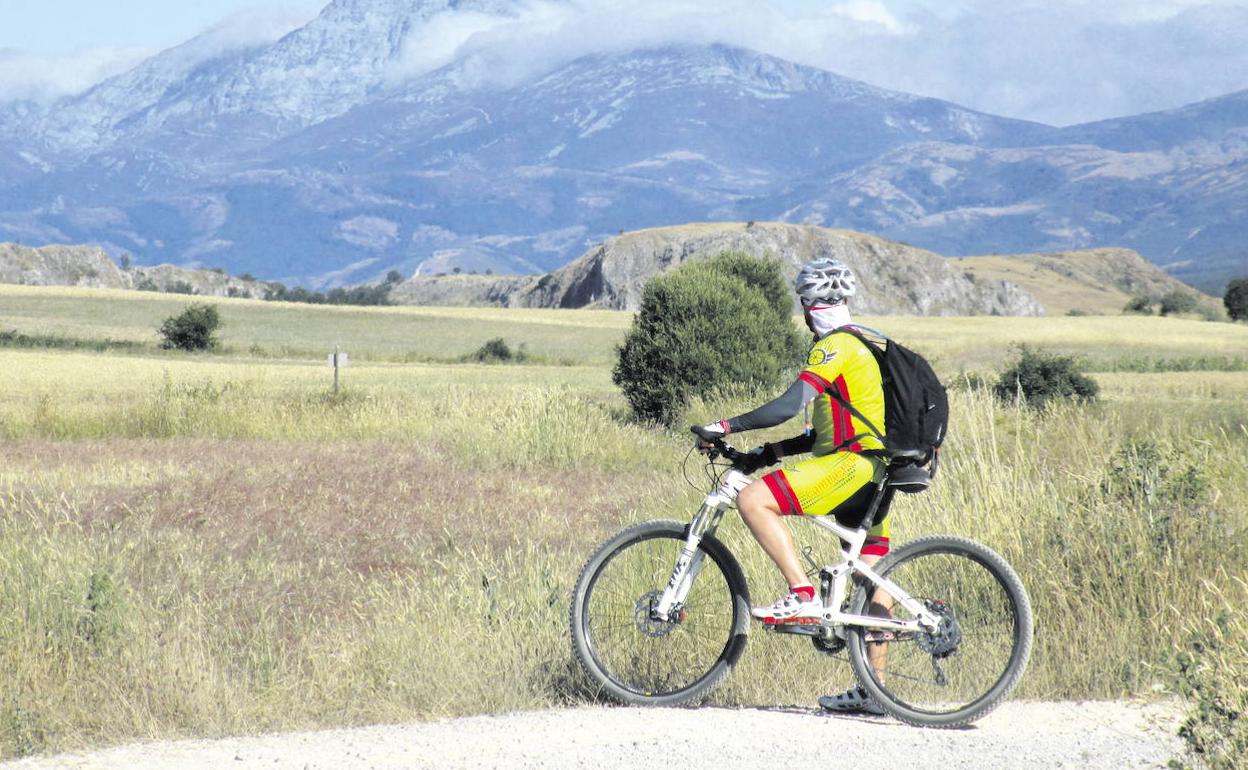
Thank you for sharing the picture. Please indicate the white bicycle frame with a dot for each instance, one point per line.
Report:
(707, 520)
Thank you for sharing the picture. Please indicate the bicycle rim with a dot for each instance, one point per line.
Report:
(964, 670)
(643, 661)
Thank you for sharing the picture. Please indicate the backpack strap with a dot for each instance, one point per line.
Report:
(852, 409)
(861, 418)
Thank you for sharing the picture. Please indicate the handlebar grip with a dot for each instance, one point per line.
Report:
(705, 434)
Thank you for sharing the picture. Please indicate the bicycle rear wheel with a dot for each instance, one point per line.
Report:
(641, 661)
(967, 667)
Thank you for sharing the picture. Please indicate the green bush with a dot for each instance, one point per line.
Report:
(1236, 299)
(703, 327)
(1040, 377)
(1140, 305)
(497, 351)
(1208, 670)
(1178, 301)
(192, 329)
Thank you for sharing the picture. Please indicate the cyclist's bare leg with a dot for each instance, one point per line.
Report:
(761, 515)
(881, 607)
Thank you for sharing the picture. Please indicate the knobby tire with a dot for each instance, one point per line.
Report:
(652, 663)
(994, 632)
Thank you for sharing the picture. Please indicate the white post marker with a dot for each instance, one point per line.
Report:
(337, 359)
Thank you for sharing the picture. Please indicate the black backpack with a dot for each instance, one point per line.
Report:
(916, 407)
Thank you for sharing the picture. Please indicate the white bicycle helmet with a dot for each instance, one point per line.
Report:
(825, 280)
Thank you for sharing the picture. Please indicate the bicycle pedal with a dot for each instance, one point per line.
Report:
(797, 626)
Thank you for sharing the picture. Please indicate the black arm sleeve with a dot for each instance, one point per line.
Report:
(796, 445)
(775, 411)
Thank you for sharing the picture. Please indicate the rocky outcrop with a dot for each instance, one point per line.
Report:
(894, 279)
(90, 266)
(60, 266)
(461, 290)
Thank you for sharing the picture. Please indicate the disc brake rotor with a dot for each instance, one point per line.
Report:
(647, 624)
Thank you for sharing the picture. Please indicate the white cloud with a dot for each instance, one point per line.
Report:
(43, 77)
(253, 26)
(1055, 61)
(25, 75)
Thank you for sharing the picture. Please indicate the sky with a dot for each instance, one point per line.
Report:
(1053, 61)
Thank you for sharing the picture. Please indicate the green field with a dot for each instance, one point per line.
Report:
(216, 544)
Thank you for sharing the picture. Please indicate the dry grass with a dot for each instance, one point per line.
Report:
(253, 328)
(210, 545)
(283, 329)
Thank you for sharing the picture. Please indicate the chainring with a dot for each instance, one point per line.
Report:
(833, 645)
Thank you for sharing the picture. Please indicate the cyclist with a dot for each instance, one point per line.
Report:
(837, 480)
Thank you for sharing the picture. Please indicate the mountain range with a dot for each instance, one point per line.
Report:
(315, 160)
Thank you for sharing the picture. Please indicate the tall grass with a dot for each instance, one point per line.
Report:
(203, 555)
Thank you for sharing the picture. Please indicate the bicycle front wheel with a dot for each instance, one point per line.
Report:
(642, 661)
(970, 664)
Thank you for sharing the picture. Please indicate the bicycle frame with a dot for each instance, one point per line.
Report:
(706, 521)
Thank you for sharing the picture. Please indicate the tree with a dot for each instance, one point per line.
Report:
(1041, 377)
(1178, 301)
(393, 277)
(1236, 299)
(1140, 305)
(707, 325)
(192, 329)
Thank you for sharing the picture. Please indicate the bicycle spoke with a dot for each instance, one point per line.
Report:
(649, 656)
(953, 669)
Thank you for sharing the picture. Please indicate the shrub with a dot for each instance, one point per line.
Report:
(1041, 377)
(1236, 299)
(707, 325)
(356, 295)
(497, 351)
(1178, 301)
(1208, 671)
(180, 287)
(192, 329)
(1140, 305)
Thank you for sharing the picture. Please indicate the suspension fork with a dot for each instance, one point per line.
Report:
(705, 522)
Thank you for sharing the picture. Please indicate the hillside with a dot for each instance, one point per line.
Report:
(90, 266)
(894, 279)
(1098, 281)
(308, 160)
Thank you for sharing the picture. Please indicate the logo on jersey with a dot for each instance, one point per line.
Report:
(819, 356)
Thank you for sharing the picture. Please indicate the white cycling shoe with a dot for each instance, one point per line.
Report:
(853, 701)
(791, 609)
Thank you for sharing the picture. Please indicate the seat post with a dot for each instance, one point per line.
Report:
(869, 517)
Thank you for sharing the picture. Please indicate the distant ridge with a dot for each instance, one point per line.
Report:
(307, 160)
(894, 278)
(1097, 281)
(90, 266)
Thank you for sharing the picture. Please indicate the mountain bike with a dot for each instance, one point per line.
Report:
(938, 632)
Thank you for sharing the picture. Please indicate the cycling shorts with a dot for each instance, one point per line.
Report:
(838, 484)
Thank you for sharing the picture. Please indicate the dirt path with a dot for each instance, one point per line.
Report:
(1109, 735)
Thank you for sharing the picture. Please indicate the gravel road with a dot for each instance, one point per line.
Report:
(1023, 735)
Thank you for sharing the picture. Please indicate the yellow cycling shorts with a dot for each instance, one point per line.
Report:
(838, 484)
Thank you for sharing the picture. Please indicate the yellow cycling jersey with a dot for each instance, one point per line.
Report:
(843, 363)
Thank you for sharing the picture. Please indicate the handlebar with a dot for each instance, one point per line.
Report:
(718, 447)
